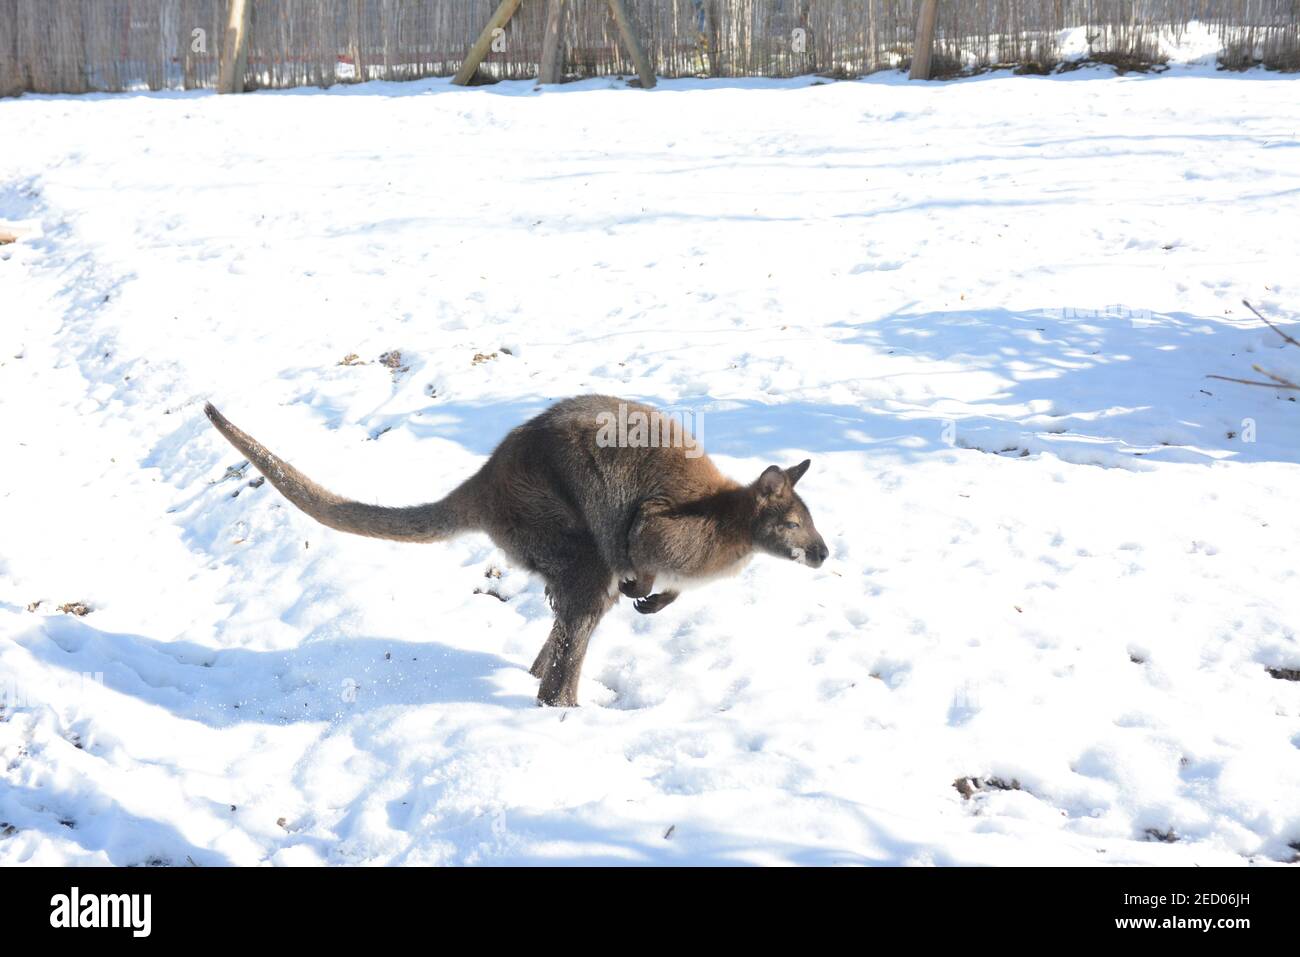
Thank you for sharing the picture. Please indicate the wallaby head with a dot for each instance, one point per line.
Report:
(783, 526)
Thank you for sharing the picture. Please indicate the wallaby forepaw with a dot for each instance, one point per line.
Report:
(653, 603)
(635, 588)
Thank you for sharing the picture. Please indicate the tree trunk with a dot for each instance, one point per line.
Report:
(234, 48)
(923, 47)
(634, 48)
(552, 65)
(484, 42)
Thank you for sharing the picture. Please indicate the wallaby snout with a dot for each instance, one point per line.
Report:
(816, 553)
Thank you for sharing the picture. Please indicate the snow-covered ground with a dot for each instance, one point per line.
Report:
(1062, 556)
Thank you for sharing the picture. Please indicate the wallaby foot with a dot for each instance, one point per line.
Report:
(653, 603)
(565, 698)
(562, 664)
(638, 587)
(559, 687)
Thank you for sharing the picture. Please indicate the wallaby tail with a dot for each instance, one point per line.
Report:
(432, 522)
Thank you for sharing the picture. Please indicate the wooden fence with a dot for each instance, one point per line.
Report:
(74, 46)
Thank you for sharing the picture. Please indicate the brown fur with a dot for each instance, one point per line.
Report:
(584, 516)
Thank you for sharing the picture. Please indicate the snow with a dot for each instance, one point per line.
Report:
(986, 310)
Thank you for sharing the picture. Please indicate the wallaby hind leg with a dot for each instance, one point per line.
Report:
(581, 599)
(538, 670)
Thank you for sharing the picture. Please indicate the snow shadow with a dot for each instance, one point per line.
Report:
(527, 837)
(322, 679)
(740, 429)
(1121, 386)
(97, 823)
(1126, 392)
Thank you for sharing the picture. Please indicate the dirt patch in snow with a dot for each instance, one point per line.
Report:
(968, 787)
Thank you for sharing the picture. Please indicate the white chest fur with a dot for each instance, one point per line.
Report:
(667, 581)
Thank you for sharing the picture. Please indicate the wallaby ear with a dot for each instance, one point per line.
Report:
(773, 481)
(796, 473)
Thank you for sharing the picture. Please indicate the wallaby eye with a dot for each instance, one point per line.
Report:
(791, 524)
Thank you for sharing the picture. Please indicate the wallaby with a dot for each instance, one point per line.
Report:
(592, 517)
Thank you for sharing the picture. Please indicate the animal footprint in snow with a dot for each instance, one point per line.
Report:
(965, 704)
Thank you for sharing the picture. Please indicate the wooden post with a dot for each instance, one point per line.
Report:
(234, 48)
(923, 47)
(711, 44)
(810, 51)
(872, 41)
(185, 54)
(619, 9)
(356, 23)
(552, 66)
(484, 42)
